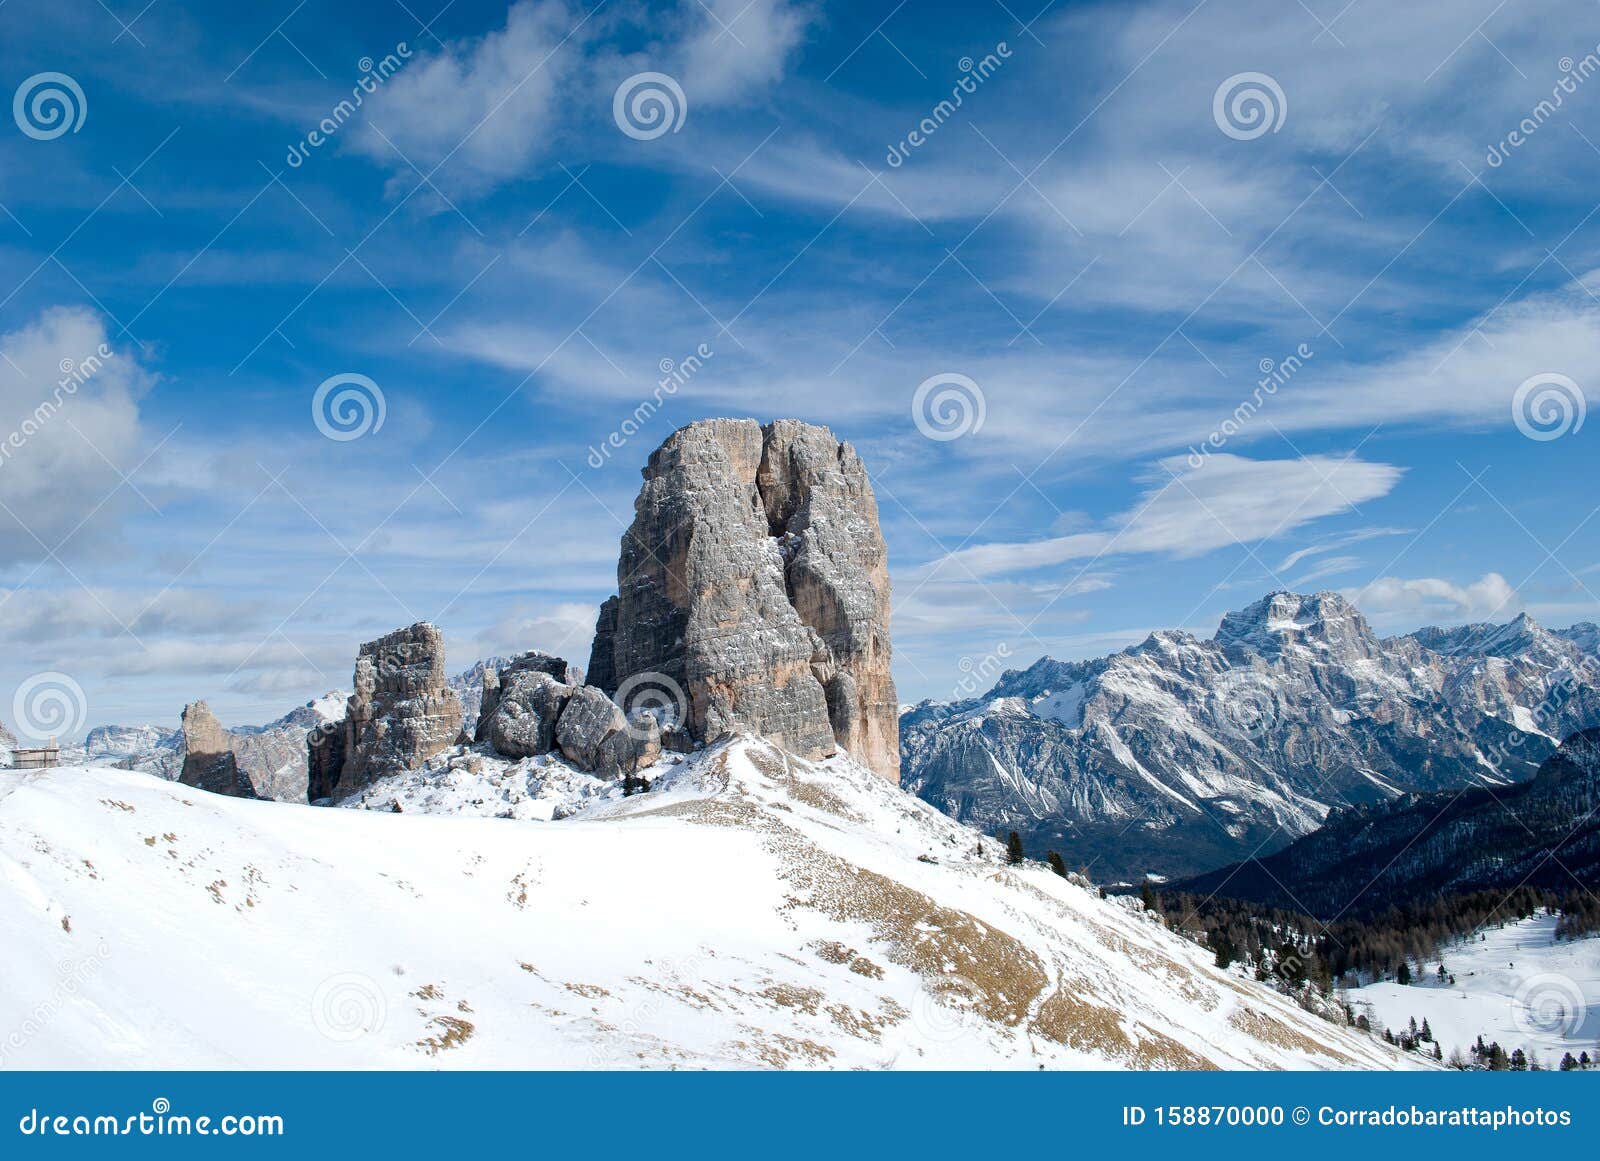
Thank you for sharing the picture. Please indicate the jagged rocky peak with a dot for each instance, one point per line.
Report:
(209, 762)
(1285, 620)
(1520, 636)
(402, 712)
(753, 587)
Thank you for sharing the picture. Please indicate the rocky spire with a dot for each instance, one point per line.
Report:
(753, 591)
(209, 762)
(403, 710)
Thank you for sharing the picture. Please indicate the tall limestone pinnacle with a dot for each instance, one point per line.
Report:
(754, 580)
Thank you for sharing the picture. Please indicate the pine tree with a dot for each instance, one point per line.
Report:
(1057, 864)
(1223, 947)
(1403, 975)
(1147, 896)
(1568, 1063)
(1014, 853)
(1427, 1032)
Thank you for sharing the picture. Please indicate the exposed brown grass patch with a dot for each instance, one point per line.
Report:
(780, 1051)
(1002, 978)
(1075, 1022)
(1272, 1030)
(807, 1000)
(455, 1032)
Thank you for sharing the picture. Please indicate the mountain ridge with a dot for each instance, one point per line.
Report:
(1180, 753)
(1542, 833)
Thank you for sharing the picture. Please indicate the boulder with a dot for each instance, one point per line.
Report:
(588, 721)
(523, 722)
(495, 679)
(752, 586)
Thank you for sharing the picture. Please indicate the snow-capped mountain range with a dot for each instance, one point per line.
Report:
(1180, 754)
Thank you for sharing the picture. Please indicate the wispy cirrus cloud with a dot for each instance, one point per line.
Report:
(1186, 511)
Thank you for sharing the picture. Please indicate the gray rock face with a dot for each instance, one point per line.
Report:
(1180, 754)
(324, 760)
(602, 659)
(752, 588)
(403, 710)
(209, 762)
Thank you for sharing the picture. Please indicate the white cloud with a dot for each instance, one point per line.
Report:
(1186, 511)
(1393, 601)
(490, 105)
(565, 629)
(1342, 540)
(742, 46)
(69, 422)
(489, 109)
(1328, 566)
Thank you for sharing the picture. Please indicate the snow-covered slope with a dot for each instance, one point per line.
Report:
(1515, 985)
(1180, 754)
(752, 910)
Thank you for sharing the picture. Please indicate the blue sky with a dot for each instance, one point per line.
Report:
(1098, 240)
